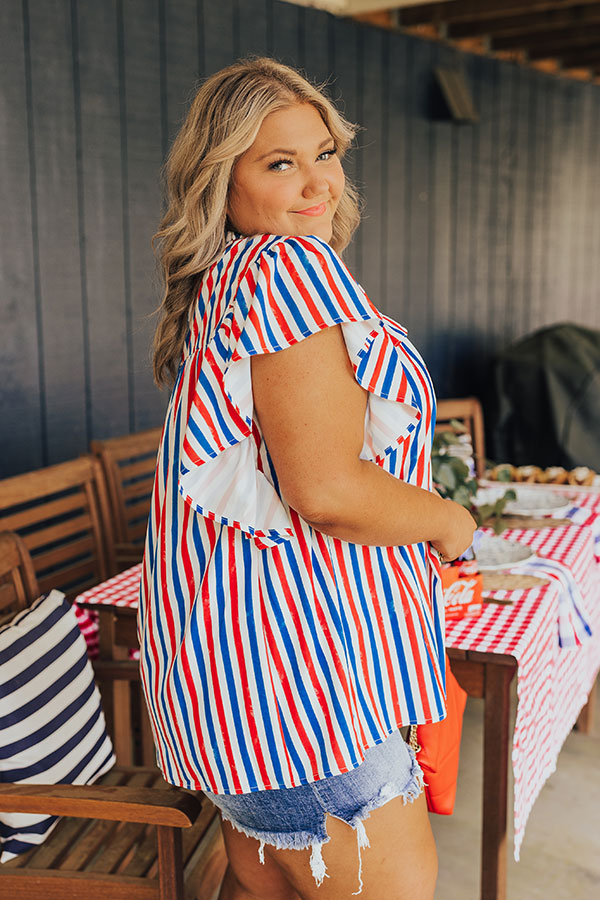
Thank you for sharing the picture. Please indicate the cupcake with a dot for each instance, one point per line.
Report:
(528, 474)
(555, 475)
(581, 475)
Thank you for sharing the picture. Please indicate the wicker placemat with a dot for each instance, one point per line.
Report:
(507, 581)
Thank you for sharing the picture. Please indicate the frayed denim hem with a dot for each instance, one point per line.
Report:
(293, 840)
(306, 840)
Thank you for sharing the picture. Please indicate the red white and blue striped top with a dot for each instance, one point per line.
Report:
(273, 655)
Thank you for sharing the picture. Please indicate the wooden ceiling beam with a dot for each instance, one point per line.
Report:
(588, 57)
(456, 11)
(570, 37)
(560, 51)
(507, 26)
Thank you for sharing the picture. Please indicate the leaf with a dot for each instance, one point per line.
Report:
(446, 476)
(462, 496)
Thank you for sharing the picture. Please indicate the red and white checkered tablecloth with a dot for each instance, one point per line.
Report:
(552, 683)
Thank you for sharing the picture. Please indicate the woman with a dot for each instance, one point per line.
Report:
(290, 617)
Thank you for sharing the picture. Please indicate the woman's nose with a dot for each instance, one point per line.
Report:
(315, 185)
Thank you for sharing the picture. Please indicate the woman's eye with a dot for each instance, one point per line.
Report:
(280, 164)
(328, 153)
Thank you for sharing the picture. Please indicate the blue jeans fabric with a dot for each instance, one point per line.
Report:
(295, 817)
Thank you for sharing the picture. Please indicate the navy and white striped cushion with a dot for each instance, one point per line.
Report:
(52, 728)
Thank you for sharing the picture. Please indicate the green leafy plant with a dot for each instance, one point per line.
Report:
(453, 480)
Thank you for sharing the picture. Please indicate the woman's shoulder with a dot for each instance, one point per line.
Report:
(295, 248)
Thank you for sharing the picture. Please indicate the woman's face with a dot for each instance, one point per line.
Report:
(290, 180)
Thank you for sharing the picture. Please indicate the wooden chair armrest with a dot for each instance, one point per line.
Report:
(154, 806)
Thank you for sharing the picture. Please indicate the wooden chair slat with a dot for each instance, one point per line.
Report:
(50, 854)
(50, 509)
(137, 533)
(129, 470)
(32, 486)
(73, 579)
(56, 885)
(91, 844)
(18, 584)
(205, 868)
(56, 532)
(73, 549)
(144, 861)
(192, 836)
(134, 489)
(129, 445)
(115, 856)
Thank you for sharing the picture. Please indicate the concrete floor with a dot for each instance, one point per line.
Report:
(560, 855)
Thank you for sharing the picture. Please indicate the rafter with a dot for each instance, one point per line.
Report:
(571, 37)
(560, 51)
(528, 22)
(475, 10)
(589, 56)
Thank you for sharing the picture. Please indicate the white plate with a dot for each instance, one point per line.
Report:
(494, 552)
(538, 503)
(530, 501)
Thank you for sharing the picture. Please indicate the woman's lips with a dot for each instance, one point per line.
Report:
(312, 210)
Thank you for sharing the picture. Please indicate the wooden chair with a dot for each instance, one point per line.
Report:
(468, 411)
(61, 514)
(18, 584)
(128, 463)
(130, 836)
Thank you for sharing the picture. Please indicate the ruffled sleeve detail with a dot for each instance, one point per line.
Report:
(292, 288)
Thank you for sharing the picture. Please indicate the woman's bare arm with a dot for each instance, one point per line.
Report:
(312, 411)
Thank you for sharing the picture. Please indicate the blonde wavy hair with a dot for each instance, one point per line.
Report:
(222, 123)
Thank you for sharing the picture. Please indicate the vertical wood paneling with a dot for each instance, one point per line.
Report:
(473, 235)
(343, 90)
(592, 220)
(372, 236)
(501, 213)
(522, 232)
(394, 178)
(288, 33)
(22, 432)
(53, 121)
(100, 198)
(559, 176)
(317, 64)
(440, 237)
(253, 28)
(180, 41)
(143, 134)
(218, 27)
(418, 176)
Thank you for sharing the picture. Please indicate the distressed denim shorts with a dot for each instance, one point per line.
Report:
(294, 818)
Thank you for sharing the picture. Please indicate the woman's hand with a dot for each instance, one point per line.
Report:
(459, 532)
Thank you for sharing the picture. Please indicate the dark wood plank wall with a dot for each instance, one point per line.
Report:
(472, 236)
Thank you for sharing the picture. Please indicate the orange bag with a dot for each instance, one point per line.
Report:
(440, 748)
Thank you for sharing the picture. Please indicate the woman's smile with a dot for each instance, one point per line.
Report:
(312, 210)
(291, 191)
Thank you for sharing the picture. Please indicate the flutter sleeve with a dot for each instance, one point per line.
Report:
(294, 288)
